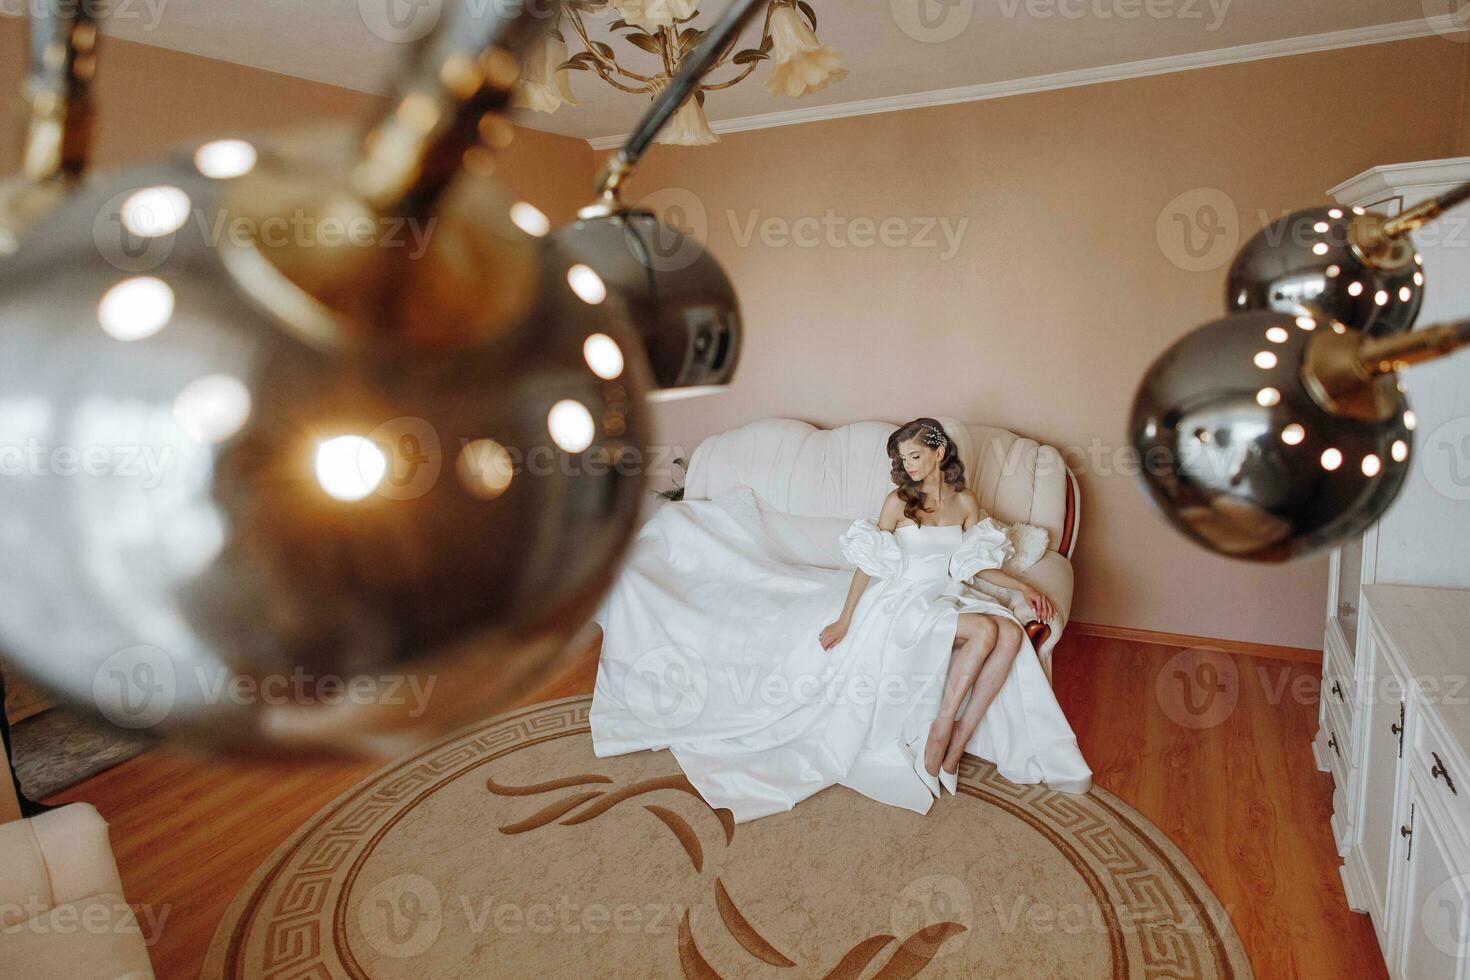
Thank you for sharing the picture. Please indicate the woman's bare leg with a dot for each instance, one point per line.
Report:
(987, 685)
(975, 637)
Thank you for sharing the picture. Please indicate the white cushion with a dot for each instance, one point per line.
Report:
(62, 913)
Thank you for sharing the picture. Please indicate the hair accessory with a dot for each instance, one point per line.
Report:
(934, 437)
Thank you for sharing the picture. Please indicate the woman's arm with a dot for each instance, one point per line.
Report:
(834, 632)
(1040, 605)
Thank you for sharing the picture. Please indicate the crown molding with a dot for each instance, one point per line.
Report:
(1413, 182)
(1286, 47)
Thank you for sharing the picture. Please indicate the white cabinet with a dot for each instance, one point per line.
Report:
(1374, 792)
(1401, 804)
(1433, 904)
(1397, 636)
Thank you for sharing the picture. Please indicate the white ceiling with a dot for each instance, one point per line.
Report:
(995, 41)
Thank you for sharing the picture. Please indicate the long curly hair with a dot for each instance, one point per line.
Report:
(927, 431)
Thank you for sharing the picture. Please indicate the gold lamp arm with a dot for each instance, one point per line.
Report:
(1383, 243)
(1425, 212)
(1350, 375)
(449, 100)
(58, 90)
(685, 82)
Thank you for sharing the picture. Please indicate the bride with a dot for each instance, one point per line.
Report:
(731, 659)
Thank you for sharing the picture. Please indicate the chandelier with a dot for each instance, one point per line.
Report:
(800, 63)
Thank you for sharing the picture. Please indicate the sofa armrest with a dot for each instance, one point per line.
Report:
(1052, 576)
(55, 858)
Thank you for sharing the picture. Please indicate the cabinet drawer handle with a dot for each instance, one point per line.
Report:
(1337, 689)
(1332, 743)
(1405, 832)
(1396, 729)
(1438, 771)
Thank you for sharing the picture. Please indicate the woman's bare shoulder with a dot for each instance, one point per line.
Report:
(971, 504)
(891, 511)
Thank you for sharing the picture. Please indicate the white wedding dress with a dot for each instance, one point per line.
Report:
(711, 650)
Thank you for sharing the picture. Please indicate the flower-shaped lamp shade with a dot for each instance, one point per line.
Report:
(670, 290)
(1239, 456)
(1307, 263)
(800, 62)
(650, 15)
(688, 126)
(387, 538)
(544, 86)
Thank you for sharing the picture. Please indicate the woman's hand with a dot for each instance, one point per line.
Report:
(832, 634)
(1041, 606)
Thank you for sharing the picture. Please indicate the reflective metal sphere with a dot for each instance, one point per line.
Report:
(1240, 457)
(1307, 262)
(670, 289)
(260, 537)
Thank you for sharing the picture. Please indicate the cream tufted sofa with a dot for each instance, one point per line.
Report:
(820, 480)
(62, 911)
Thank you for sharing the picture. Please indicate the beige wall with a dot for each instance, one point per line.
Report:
(1060, 293)
(149, 98)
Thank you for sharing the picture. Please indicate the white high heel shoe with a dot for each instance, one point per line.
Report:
(929, 780)
(949, 780)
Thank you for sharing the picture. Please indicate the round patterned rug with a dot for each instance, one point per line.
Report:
(510, 850)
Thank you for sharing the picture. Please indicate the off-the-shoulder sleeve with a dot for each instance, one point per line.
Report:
(984, 545)
(871, 548)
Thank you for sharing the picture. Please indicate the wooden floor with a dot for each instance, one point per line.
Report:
(1240, 796)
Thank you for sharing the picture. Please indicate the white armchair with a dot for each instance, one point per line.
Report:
(62, 911)
(823, 479)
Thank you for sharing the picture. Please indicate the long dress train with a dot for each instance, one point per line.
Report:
(711, 650)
